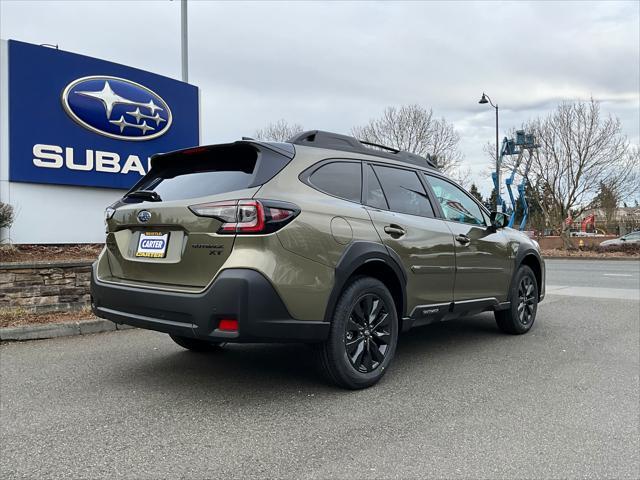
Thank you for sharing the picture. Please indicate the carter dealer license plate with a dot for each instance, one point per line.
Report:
(152, 244)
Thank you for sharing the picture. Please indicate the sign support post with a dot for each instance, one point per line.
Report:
(184, 40)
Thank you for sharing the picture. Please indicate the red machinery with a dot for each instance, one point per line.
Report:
(588, 220)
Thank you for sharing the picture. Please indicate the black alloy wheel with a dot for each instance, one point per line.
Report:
(363, 335)
(526, 300)
(520, 315)
(367, 333)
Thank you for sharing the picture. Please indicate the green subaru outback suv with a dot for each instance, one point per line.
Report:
(323, 239)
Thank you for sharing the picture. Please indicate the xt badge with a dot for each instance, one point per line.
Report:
(213, 249)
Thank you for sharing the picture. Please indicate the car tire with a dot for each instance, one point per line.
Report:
(196, 345)
(363, 335)
(523, 297)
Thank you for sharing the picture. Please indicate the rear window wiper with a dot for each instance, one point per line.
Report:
(145, 195)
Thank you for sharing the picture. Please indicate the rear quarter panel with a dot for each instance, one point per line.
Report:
(303, 284)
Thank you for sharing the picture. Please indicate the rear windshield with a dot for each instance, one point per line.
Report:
(209, 171)
(199, 179)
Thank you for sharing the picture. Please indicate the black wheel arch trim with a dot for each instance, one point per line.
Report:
(523, 252)
(360, 253)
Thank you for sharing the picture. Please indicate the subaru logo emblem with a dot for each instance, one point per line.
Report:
(116, 108)
(144, 216)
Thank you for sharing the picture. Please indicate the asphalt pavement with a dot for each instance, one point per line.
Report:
(460, 401)
(619, 274)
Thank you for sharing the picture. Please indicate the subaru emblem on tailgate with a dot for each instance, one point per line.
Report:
(116, 108)
(144, 216)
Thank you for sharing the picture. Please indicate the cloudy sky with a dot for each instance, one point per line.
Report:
(332, 65)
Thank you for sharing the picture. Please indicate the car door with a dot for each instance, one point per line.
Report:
(405, 220)
(484, 260)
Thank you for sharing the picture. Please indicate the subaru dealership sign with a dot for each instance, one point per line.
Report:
(76, 120)
(77, 131)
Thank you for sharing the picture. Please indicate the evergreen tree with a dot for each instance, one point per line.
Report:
(474, 191)
(607, 200)
(535, 219)
(491, 201)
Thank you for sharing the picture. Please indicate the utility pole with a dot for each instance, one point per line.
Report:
(498, 166)
(184, 40)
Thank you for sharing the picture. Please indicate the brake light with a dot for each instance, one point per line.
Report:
(194, 150)
(248, 216)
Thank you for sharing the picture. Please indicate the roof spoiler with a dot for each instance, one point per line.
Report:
(282, 148)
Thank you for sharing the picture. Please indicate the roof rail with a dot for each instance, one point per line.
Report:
(336, 141)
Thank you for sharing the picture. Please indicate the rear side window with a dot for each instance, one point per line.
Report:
(404, 191)
(340, 179)
(209, 171)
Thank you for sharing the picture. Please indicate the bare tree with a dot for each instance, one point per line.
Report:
(413, 128)
(461, 175)
(279, 131)
(634, 160)
(580, 149)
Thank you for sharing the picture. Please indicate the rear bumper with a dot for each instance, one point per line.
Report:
(243, 294)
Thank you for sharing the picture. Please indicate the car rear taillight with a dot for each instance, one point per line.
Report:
(248, 216)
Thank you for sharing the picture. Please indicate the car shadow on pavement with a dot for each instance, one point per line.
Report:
(283, 369)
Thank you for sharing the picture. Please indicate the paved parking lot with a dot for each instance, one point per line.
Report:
(461, 400)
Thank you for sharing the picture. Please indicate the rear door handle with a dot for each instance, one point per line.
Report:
(394, 230)
(463, 239)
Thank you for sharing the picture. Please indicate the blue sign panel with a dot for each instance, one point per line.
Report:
(76, 120)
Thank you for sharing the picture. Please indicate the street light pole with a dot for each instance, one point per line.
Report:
(184, 40)
(485, 99)
(498, 200)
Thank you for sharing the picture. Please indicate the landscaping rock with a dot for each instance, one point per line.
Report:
(46, 287)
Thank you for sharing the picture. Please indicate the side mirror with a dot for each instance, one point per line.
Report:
(498, 220)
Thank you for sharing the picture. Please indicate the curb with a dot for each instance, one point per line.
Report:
(54, 330)
(615, 259)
